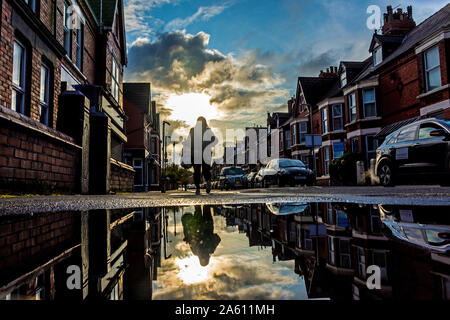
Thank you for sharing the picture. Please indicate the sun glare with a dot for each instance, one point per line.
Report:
(188, 107)
(191, 272)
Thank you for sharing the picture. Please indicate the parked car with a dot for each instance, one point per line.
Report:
(231, 178)
(422, 147)
(251, 179)
(283, 172)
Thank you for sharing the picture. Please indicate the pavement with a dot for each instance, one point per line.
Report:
(401, 195)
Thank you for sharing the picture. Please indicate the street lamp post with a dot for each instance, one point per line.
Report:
(307, 105)
(163, 186)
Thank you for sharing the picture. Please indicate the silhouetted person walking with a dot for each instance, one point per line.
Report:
(201, 137)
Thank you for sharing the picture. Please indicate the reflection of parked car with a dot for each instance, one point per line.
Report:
(251, 179)
(422, 147)
(283, 209)
(231, 178)
(285, 172)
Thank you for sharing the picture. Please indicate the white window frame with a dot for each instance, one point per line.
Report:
(361, 255)
(352, 106)
(288, 138)
(79, 49)
(67, 34)
(365, 102)
(324, 117)
(429, 69)
(294, 134)
(331, 251)
(377, 55)
(341, 117)
(115, 79)
(343, 79)
(21, 88)
(44, 111)
(330, 214)
(303, 133)
(326, 161)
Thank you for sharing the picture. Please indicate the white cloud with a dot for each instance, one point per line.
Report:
(203, 13)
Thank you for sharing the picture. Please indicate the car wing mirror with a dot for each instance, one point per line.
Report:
(439, 133)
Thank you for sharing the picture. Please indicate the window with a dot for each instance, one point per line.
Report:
(361, 263)
(79, 53)
(281, 140)
(115, 80)
(288, 139)
(45, 94)
(338, 123)
(371, 147)
(426, 129)
(294, 134)
(18, 78)
(330, 213)
(407, 134)
(370, 107)
(352, 107)
(432, 69)
(379, 259)
(326, 160)
(342, 219)
(138, 177)
(31, 4)
(354, 144)
(324, 120)
(331, 255)
(303, 130)
(343, 79)
(153, 146)
(377, 56)
(344, 253)
(67, 33)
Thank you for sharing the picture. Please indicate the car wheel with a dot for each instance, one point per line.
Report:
(386, 174)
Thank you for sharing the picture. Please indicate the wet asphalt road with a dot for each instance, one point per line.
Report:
(403, 195)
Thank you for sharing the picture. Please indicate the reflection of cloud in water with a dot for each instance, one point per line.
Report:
(236, 271)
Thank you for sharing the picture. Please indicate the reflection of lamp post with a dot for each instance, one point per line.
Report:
(307, 105)
(163, 186)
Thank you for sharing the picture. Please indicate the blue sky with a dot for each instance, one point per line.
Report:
(250, 51)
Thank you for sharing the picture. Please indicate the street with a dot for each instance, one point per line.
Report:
(401, 195)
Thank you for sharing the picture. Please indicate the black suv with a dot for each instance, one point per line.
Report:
(422, 147)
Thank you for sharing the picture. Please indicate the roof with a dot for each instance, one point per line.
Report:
(108, 12)
(314, 88)
(436, 22)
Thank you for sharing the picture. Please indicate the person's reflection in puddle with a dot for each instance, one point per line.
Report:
(199, 233)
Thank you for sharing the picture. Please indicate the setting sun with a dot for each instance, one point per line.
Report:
(191, 272)
(188, 107)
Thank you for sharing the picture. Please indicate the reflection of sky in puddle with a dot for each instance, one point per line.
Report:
(236, 271)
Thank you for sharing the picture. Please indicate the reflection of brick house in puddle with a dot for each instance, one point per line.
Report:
(359, 103)
(110, 246)
(61, 103)
(142, 150)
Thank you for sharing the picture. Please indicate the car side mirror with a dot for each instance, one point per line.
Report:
(439, 133)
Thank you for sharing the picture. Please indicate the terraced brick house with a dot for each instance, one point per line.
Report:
(61, 108)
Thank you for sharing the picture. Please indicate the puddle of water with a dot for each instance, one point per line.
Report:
(291, 251)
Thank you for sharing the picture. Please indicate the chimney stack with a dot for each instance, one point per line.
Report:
(399, 22)
(330, 72)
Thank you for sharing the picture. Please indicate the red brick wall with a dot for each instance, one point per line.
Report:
(29, 159)
(122, 177)
(32, 240)
(6, 49)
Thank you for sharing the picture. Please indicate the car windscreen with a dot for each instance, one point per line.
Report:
(291, 163)
(233, 172)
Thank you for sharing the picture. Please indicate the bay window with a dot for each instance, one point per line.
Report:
(115, 80)
(352, 107)
(67, 32)
(326, 161)
(432, 69)
(343, 79)
(44, 94)
(377, 56)
(79, 53)
(324, 120)
(303, 130)
(369, 102)
(294, 134)
(19, 78)
(338, 122)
